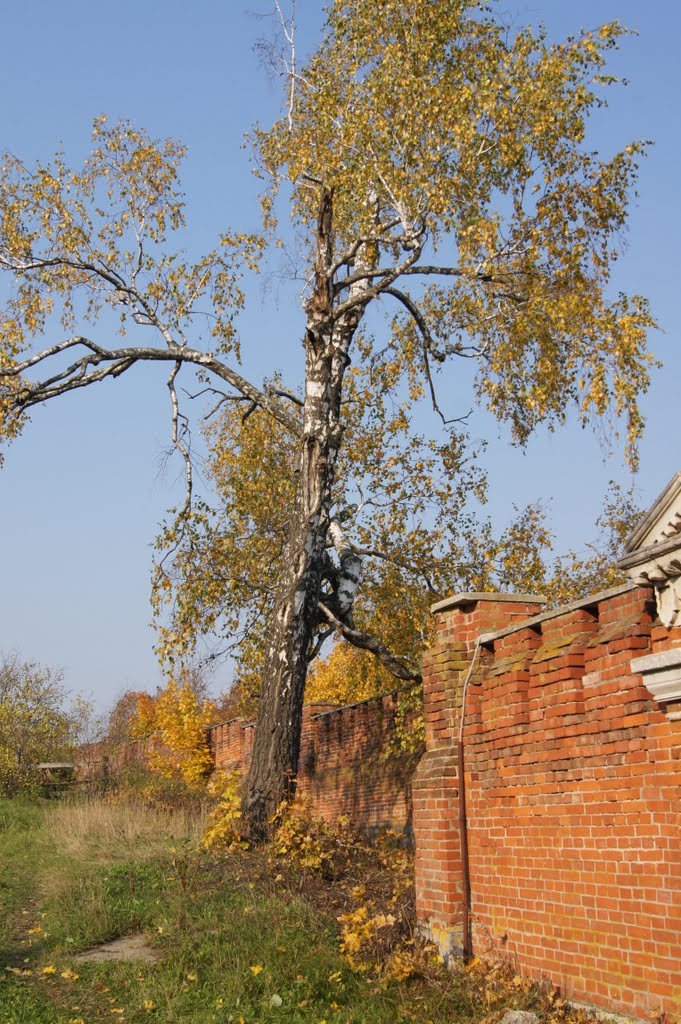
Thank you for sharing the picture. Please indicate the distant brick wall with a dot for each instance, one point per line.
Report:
(348, 761)
(347, 766)
(573, 792)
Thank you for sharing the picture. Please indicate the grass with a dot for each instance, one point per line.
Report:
(238, 942)
(94, 830)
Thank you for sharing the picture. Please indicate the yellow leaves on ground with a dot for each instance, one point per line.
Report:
(376, 936)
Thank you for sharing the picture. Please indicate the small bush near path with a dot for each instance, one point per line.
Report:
(247, 936)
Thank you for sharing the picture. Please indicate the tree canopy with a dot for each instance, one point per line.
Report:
(39, 721)
(437, 168)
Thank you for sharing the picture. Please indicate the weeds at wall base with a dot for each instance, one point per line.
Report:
(233, 930)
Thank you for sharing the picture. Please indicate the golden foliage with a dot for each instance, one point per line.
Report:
(223, 561)
(221, 576)
(457, 157)
(439, 117)
(143, 720)
(222, 827)
(177, 722)
(79, 241)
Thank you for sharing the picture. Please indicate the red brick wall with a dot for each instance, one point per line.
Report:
(573, 788)
(573, 792)
(346, 764)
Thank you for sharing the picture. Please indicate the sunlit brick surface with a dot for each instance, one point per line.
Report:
(573, 784)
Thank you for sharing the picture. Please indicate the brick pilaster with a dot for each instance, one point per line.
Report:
(459, 622)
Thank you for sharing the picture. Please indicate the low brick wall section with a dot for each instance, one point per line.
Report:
(347, 762)
(573, 795)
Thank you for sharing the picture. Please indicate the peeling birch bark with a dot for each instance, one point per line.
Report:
(276, 743)
(350, 575)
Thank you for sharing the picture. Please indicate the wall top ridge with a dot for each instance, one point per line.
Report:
(227, 721)
(582, 603)
(358, 703)
(473, 597)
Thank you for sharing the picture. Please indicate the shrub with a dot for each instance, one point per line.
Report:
(222, 827)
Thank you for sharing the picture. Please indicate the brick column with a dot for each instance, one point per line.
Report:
(459, 622)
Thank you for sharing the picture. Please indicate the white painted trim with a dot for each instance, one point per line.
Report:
(662, 677)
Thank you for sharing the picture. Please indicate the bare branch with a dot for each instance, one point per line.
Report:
(249, 412)
(127, 293)
(289, 29)
(428, 344)
(177, 436)
(319, 642)
(430, 270)
(366, 642)
(351, 252)
(402, 563)
(361, 297)
(79, 374)
(282, 393)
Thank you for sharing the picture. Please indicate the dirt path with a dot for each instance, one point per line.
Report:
(129, 947)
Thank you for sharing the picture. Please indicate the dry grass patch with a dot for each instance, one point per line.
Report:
(104, 830)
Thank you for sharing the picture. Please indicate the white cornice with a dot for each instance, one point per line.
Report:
(661, 674)
(652, 554)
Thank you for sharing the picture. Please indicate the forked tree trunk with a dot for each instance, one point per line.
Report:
(276, 744)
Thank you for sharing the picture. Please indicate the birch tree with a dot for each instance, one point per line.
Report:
(437, 169)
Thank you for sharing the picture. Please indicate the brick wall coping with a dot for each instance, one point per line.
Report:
(660, 660)
(248, 723)
(357, 704)
(536, 620)
(473, 597)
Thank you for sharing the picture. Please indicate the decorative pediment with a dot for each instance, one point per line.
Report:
(652, 554)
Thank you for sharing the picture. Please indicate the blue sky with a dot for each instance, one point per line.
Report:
(83, 490)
